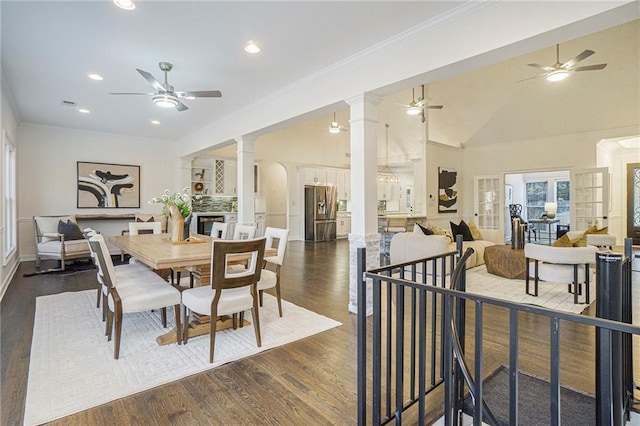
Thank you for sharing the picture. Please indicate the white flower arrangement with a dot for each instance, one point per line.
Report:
(176, 203)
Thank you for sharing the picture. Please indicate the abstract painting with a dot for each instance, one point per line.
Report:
(109, 186)
(447, 190)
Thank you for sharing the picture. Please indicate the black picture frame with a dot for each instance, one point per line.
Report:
(447, 190)
(107, 186)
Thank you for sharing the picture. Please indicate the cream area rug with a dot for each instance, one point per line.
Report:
(72, 367)
(550, 295)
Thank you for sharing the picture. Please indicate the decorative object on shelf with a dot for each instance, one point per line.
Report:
(198, 186)
(103, 185)
(551, 209)
(447, 190)
(177, 207)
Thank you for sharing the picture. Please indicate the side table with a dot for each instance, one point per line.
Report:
(505, 262)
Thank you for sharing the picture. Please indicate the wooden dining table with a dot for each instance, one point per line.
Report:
(158, 252)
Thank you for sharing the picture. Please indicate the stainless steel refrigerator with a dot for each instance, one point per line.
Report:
(320, 213)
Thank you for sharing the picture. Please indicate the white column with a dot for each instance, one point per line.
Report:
(246, 155)
(363, 129)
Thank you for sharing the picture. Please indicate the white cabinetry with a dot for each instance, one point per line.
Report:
(388, 191)
(343, 184)
(343, 226)
(231, 219)
(201, 178)
(315, 176)
(230, 178)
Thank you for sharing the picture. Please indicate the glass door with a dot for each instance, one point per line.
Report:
(489, 201)
(633, 202)
(589, 198)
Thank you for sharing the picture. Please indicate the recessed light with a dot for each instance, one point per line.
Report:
(156, 122)
(83, 110)
(125, 4)
(251, 47)
(96, 77)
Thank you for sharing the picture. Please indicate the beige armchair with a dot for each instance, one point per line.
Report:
(51, 244)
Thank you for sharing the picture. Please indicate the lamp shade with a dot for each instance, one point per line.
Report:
(550, 207)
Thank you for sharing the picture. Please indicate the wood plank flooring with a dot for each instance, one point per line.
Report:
(312, 381)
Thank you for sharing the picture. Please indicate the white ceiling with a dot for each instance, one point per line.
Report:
(48, 48)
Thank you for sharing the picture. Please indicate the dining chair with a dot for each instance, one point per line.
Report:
(124, 269)
(135, 292)
(231, 291)
(269, 278)
(219, 230)
(244, 232)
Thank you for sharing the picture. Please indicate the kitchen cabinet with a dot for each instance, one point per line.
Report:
(388, 191)
(314, 176)
(230, 184)
(330, 177)
(343, 226)
(343, 184)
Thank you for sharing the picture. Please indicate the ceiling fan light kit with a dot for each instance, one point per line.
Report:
(166, 100)
(125, 4)
(414, 110)
(558, 75)
(251, 47)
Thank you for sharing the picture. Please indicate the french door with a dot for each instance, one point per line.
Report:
(633, 202)
(589, 198)
(489, 201)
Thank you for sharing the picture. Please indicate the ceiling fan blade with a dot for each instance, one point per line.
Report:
(542, 67)
(435, 106)
(590, 67)
(152, 80)
(148, 94)
(201, 94)
(531, 78)
(404, 106)
(581, 57)
(181, 107)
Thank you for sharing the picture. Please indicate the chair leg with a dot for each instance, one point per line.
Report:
(185, 325)
(278, 296)
(178, 277)
(105, 307)
(118, 327)
(255, 314)
(99, 293)
(176, 311)
(163, 314)
(260, 292)
(172, 277)
(213, 325)
(108, 328)
(191, 280)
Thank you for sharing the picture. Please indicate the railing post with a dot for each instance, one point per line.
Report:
(460, 320)
(362, 337)
(609, 385)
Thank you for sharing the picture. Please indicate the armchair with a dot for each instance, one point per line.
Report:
(61, 246)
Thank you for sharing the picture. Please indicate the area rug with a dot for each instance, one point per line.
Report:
(72, 367)
(576, 409)
(550, 295)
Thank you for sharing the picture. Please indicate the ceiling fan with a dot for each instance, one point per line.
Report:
(337, 128)
(560, 71)
(165, 96)
(417, 108)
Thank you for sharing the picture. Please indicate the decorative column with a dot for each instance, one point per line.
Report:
(363, 129)
(246, 156)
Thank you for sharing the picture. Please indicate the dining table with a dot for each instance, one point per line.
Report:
(158, 252)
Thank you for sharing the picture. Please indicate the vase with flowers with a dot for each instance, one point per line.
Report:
(177, 207)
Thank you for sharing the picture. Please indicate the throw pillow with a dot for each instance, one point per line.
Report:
(564, 241)
(463, 229)
(425, 231)
(141, 219)
(475, 232)
(580, 242)
(594, 230)
(70, 230)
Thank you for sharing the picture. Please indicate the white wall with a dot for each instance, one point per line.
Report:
(47, 173)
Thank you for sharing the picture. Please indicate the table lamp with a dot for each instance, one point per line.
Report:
(551, 209)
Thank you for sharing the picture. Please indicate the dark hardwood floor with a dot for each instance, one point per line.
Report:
(312, 381)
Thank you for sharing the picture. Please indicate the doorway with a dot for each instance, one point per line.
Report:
(633, 202)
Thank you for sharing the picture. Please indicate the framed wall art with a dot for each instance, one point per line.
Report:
(447, 190)
(109, 186)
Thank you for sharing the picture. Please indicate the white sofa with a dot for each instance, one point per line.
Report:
(407, 246)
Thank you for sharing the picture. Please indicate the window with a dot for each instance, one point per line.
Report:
(536, 197)
(562, 196)
(9, 236)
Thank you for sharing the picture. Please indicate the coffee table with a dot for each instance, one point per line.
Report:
(505, 262)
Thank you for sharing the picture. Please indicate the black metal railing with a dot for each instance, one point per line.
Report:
(413, 351)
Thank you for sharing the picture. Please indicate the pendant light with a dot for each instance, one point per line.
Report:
(334, 128)
(386, 175)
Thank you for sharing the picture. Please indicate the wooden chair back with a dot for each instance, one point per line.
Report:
(223, 277)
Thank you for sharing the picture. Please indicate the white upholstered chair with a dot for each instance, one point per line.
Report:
(51, 244)
(132, 292)
(244, 232)
(232, 290)
(269, 278)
